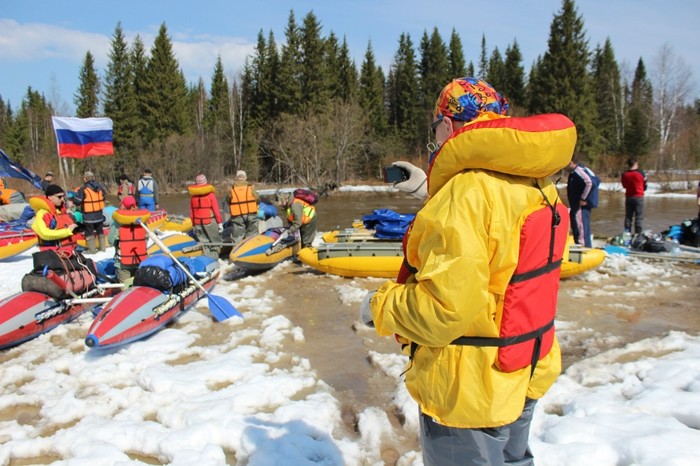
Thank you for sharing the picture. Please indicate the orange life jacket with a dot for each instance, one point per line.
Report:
(6, 195)
(132, 236)
(309, 212)
(242, 201)
(94, 200)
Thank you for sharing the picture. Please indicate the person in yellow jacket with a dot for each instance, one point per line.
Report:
(474, 303)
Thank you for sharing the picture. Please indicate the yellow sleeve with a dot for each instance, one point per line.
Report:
(46, 233)
(449, 295)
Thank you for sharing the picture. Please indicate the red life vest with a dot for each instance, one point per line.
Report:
(94, 200)
(132, 237)
(56, 220)
(242, 201)
(529, 306)
(202, 213)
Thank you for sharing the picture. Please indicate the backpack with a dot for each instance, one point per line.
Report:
(592, 199)
(160, 272)
(306, 195)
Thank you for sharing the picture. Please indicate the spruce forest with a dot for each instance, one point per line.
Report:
(304, 112)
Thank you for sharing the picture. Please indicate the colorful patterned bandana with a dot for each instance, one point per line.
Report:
(466, 98)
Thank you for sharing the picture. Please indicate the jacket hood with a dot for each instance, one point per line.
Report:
(534, 146)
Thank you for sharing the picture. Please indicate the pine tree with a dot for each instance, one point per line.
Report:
(562, 82)
(314, 78)
(434, 68)
(457, 67)
(139, 61)
(346, 86)
(404, 109)
(639, 113)
(609, 99)
(483, 59)
(217, 118)
(120, 102)
(371, 93)
(86, 98)
(470, 69)
(289, 84)
(513, 87)
(496, 73)
(165, 91)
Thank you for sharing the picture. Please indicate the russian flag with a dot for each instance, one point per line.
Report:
(80, 138)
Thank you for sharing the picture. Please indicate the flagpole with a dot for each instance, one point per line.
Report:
(58, 155)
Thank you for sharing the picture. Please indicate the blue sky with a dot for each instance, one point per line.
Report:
(43, 43)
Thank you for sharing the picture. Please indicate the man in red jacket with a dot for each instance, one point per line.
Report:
(635, 183)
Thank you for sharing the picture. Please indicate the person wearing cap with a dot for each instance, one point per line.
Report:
(48, 180)
(91, 199)
(128, 238)
(147, 191)
(474, 302)
(242, 203)
(205, 215)
(54, 228)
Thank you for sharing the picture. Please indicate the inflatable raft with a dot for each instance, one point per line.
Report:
(250, 254)
(143, 310)
(383, 259)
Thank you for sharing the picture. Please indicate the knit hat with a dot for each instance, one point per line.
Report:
(128, 202)
(53, 189)
(464, 99)
(241, 175)
(200, 179)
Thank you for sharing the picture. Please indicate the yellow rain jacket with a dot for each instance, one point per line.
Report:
(464, 246)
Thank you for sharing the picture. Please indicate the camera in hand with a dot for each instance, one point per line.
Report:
(394, 174)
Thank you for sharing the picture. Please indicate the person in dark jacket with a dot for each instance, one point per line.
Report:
(91, 198)
(635, 183)
(47, 181)
(579, 188)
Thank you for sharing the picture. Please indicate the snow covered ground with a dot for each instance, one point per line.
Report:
(206, 393)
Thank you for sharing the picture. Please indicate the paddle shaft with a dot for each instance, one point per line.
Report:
(163, 247)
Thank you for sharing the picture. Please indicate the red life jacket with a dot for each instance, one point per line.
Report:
(56, 220)
(529, 307)
(242, 201)
(202, 213)
(132, 237)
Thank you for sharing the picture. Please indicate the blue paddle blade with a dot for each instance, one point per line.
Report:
(221, 309)
(612, 249)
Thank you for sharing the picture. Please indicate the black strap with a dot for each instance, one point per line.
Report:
(505, 341)
(545, 269)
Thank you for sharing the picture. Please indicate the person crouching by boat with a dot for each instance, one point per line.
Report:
(128, 237)
(52, 224)
(205, 215)
(302, 218)
(242, 202)
(91, 198)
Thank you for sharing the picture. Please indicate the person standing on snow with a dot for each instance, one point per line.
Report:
(242, 201)
(91, 199)
(474, 302)
(581, 190)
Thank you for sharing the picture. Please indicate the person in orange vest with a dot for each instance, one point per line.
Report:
(205, 215)
(91, 198)
(52, 225)
(128, 237)
(242, 202)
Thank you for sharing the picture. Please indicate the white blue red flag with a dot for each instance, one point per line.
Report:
(80, 138)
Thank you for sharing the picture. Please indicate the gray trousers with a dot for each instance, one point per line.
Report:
(634, 207)
(494, 446)
(243, 226)
(208, 234)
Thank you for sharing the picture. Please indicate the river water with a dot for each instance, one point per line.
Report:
(596, 312)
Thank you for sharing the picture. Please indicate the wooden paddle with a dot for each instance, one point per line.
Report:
(219, 307)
